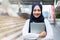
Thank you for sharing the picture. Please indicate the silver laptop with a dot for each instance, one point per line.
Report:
(37, 27)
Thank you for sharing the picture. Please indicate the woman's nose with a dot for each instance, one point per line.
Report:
(36, 12)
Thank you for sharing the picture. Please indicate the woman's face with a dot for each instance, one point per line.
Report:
(36, 11)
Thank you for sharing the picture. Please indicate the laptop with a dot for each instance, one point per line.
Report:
(37, 27)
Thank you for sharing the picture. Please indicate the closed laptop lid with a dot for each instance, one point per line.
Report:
(37, 27)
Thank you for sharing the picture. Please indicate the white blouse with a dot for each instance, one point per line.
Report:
(48, 28)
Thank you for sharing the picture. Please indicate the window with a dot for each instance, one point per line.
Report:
(47, 2)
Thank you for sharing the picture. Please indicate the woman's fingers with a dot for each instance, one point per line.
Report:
(42, 34)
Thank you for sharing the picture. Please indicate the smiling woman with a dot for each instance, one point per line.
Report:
(36, 17)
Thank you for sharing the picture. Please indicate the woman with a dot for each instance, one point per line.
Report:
(37, 17)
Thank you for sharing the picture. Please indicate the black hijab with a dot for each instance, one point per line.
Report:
(40, 18)
(33, 19)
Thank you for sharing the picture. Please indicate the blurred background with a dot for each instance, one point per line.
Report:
(14, 13)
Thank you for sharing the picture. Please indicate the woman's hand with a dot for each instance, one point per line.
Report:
(42, 34)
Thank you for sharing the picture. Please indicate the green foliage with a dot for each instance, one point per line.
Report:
(57, 15)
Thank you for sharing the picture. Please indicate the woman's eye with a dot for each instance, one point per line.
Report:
(34, 10)
(39, 10)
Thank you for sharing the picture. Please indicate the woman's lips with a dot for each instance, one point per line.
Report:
(37, 14)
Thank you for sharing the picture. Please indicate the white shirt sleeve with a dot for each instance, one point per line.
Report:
(26, 28)
(49, 29)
